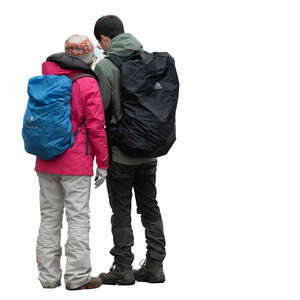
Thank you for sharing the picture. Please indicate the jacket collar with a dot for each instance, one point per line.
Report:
(71, 63)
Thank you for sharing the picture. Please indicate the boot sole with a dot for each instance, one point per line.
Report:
(119, 283)
(149, 280)
(85, 287)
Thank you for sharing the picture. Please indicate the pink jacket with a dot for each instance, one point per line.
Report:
(86, 103)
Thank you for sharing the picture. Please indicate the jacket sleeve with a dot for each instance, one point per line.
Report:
(95, 121)
(104, 84)
(109, 83)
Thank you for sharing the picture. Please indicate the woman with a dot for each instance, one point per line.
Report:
(65, 180)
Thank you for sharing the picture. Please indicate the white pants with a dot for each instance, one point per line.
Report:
(73, 193)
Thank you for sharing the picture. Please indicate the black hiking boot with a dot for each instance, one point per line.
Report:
(151, 272)
(118, 275)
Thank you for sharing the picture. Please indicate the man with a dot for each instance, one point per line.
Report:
(126, 172)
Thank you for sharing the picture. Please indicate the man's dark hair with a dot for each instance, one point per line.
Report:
(110, 26)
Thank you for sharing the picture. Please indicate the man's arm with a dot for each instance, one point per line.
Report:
(104, 83)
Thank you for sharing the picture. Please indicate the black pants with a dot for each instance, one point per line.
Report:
(120, 181)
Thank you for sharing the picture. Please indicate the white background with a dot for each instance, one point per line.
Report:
(228, 190)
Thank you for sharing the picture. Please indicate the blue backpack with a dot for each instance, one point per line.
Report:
(47, 127)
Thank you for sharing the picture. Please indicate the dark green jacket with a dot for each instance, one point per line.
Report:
(109, 83)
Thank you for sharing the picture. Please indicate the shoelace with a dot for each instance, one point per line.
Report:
(112, 267)
(142, 262)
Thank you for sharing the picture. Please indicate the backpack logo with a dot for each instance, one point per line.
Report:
(157, 86)
(29, 120)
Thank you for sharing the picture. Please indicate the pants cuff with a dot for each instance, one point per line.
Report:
(76, 283)
(50, 285)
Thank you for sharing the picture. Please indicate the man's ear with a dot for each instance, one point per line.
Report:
(105, 38)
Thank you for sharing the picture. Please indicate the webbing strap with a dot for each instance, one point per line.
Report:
(76, 76)
(87, 142)
(80, 125)
(87, 136)
(116, 60)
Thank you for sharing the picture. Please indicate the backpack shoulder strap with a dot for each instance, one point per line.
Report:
(76, 76)
(118, 61)
(115, 59)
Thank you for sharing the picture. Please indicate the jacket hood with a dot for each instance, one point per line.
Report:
(63, 64)
(124, 45)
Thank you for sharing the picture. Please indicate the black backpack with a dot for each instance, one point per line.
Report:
(149, 95)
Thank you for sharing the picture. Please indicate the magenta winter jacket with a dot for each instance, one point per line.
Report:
(86, 103)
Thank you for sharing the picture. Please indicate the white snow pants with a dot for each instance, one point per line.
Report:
(56, 193)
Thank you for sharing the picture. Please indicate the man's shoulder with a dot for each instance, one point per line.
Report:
(106, 69)
(104, 65)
